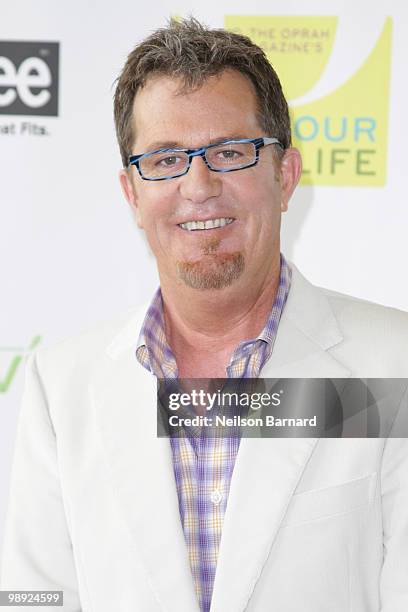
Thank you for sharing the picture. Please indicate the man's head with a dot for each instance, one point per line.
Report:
(186, 87)
(190, 53)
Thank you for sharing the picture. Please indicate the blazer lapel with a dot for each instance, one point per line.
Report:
(265, 476)
(141, 470)
(268, 470)
(307, 331)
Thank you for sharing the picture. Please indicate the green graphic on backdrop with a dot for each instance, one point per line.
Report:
(343, 136)
(7, 377)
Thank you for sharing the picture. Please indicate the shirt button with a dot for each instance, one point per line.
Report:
(216, 497)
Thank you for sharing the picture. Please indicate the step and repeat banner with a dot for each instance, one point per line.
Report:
(71, 253)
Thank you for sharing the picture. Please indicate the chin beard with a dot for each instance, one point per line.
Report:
(213, 271)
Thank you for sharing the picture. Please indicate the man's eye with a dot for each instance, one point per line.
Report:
(228, 154)
(170, 160)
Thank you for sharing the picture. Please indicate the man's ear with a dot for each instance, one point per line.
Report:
(290, 171)
(130, 194)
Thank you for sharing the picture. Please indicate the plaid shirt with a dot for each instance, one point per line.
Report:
(203, 465)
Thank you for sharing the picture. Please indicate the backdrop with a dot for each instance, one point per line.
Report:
(70, 252)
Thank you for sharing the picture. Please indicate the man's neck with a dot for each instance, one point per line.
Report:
(204, 327)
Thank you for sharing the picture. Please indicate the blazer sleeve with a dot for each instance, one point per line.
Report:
(394, 485)
(37, 551)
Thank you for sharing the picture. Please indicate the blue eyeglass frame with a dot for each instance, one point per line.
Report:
(134, 160)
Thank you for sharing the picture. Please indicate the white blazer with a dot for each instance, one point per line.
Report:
(311, 525)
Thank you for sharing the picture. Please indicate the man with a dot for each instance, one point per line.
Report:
(121, 520)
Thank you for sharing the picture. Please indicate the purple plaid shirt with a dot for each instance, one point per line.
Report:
(203, 465)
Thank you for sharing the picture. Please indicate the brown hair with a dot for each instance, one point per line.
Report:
(192, 52)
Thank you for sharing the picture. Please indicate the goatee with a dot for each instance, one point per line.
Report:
(212, 271)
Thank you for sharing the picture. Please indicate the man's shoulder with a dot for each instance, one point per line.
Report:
(369, 339)
(351, 313)
(80, 352)
(356, 313)
(375, 337)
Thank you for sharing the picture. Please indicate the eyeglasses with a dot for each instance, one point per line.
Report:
(228, 156)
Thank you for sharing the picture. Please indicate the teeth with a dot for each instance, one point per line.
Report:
(210, 224)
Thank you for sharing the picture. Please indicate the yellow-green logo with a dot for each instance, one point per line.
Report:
(12, 358)
(342, 135)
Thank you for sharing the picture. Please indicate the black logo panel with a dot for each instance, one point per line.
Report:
(29, 78)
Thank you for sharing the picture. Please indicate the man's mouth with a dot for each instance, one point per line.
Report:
(206, 225)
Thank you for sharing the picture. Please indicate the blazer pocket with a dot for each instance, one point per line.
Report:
(330, 501)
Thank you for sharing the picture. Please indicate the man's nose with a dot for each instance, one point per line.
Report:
(200, 183)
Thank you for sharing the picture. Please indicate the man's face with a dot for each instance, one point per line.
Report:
(223, 108)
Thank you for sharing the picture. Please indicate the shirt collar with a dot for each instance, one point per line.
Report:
(154, 352)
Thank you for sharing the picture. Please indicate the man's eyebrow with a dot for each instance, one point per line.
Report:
(172, 144)
(161, 144)
(229, 137)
